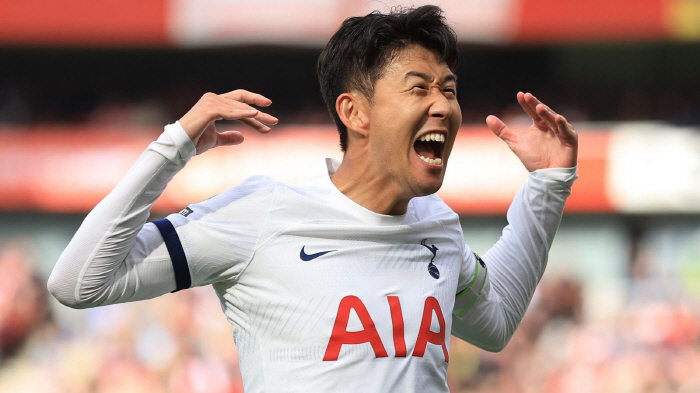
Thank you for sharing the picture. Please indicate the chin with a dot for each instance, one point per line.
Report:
(426, 179)
(429, 187)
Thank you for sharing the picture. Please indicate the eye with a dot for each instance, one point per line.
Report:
(450, 90)
(419, 90)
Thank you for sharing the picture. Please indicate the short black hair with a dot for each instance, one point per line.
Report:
(355, 57)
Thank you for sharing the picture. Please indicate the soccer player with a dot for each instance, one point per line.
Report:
(354, 280)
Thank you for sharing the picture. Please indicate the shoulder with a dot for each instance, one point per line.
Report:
(432, 207)
(256, 190)
(303, 200)
(431, 210)
(264, 194)
(251, 185)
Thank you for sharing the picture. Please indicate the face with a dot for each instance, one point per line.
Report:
(413, 121)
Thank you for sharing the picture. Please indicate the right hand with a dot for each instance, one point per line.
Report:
(198, 122)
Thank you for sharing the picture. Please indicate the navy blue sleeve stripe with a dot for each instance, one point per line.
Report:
(177, 254)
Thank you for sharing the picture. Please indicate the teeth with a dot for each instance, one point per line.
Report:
(433, 136)
(435, 161)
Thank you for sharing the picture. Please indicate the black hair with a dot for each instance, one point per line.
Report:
(357, 54)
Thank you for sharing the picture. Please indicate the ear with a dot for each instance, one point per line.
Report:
(352, 108)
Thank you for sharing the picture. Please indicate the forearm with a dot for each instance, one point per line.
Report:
(104, 262)
(516, 263)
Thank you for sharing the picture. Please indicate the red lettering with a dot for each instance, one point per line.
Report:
(369, 334)
(397, 323)
(341, 336)
(425, 335)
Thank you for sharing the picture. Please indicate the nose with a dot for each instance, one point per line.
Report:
(440, 106)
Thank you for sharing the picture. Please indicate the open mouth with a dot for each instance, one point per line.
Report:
(430, 146)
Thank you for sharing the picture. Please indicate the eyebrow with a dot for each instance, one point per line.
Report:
(448, 78)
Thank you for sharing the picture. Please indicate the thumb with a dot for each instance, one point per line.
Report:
(498, 127)
(228, 138)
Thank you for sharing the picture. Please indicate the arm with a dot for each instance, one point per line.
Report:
(114, 257)
(487, 313)
(495, 296)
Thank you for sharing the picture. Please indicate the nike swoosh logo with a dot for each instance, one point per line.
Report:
(307, 257)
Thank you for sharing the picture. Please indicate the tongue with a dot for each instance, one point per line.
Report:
(424, 149)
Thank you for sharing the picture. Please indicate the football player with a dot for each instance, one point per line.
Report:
(354, 280)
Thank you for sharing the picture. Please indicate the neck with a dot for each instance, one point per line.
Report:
(369, 187)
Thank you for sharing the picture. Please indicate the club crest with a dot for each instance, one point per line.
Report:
(432, 269)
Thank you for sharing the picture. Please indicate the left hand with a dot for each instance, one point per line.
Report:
(550, 142)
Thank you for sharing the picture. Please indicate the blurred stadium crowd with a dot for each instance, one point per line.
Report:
(127, 87)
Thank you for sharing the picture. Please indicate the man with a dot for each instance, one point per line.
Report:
(355, 280)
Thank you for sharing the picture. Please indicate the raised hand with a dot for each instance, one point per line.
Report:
(199, 121)
(550, 142)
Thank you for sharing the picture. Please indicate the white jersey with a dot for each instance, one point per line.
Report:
(323, 294)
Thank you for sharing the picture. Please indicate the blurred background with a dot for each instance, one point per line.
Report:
(86, 84)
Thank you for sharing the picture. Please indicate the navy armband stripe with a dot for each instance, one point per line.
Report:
(183, 280)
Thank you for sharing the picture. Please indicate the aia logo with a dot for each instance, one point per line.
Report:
(432, 269)
(369, 334)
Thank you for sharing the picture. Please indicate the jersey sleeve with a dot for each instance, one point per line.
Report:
(215, 240)
(495, 291)
(116, 257)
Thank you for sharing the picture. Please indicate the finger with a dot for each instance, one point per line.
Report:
(228, 138)
(247, 97)
(256, 124)
(266, 118)
(221, 100)
(529, 109)
(533, 101)
(565, 130)
(237, 111)
(498, 127)
(547, 115)
(261, 116)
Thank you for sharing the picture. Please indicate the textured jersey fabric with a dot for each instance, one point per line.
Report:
(323, 294)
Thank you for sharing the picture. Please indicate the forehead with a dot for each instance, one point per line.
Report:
(415, 58)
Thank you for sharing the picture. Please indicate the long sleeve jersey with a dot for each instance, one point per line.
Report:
(323, 294)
